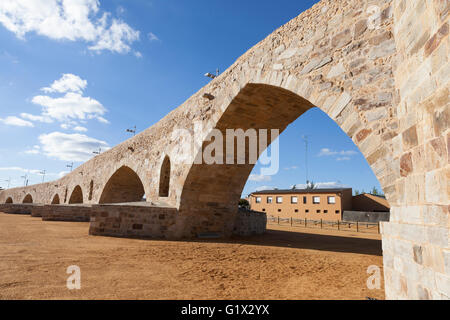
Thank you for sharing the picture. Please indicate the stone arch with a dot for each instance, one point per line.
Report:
(76, 196)
(215, 189)
(123, 186)
(9, 200)
(91, 190)
(55, 199)
(28, 199)
(164, 178)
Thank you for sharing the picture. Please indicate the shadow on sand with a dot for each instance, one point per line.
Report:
(299, 240)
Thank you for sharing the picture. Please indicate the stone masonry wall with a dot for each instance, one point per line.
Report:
(74, 213)
(416, 249)
(17, 208)
(249, 223)
(132, 221)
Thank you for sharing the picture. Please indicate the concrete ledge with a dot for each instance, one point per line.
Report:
(36, 211)
(72, 213)
(12, 208)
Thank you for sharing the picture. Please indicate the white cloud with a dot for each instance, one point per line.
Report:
(116, 38)
(262, 188)
(291, 168)
(19, 169)
(32, 117)
(71, 106)
(102, 120)
(63, 173)
(329, 152)
(322, 185)
(34, 150)
(15, 121)
(71, 20)
(70, 147)
(80, 129)
(259, 178)
(68, 83)
(343, 159)
(152, 37)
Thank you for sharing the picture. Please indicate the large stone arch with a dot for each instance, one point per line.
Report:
(164, 178)
(9, 200)
(55, 199)
(123, 186)
(28, 199)
(76, 196)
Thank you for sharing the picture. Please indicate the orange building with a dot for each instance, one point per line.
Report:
(316, 204)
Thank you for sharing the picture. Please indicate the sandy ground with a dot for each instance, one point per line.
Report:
(285, 263)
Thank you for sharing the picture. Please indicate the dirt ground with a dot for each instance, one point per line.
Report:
(285, 263)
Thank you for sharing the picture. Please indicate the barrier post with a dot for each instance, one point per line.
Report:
(338, 226)
(357, 226)
(321, 224)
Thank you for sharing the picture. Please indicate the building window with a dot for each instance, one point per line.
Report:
(279, 210)
(316, 200)
(318, 211)
(325, 211)
(304, 200)
(269, 199)
(258, 199)
(331, 200)
(306, 211)
(338, 211)
(294, 199)
(279, 199)
(296, 210)
(264, 210)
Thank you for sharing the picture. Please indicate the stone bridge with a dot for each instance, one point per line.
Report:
(379, 69)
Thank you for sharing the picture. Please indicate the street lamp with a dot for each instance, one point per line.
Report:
(43, 175)
(25, 181)
(212, 76)
(70, 166)
(98, 152)
(132, 131)
(9, 182)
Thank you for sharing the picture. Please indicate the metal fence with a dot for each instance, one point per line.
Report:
(369, 227)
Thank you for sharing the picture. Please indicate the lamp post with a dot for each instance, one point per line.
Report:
(212, 76)
(70, 166)
(305, 139)
(98, 152)
(25, 181)
(43, 175)
(133, 131)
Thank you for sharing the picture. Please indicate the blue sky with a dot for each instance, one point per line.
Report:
(75, 77)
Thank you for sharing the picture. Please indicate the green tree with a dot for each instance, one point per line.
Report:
(243, 203)
(357, 193)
